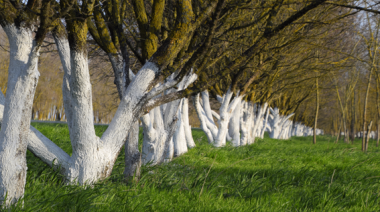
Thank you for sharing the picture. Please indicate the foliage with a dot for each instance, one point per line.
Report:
(270, 175)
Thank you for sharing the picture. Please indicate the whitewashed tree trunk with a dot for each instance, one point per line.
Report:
(154, 137)
(22, 81)
(234, 125)
(202, 119)
(187, 128)
(259, 118)
(93, 158)
(216, 135)
(265, 124)
(160, 124)
(277, 123)
(179, 139)
(182, 136)
(246, 122)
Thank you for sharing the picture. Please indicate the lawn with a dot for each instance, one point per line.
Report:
(270, 175)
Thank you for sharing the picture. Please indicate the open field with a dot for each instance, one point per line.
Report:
(270, 175)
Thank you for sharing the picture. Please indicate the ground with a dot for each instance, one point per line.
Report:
(270, 175)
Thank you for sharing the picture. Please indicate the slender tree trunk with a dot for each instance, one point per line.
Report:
(378, 131)
(368, 136)
(365, 108)
(132, 153)
(187, 128)
(378, 109)
(337, 137)
(353, 118)
(345, 129)
(316, 114)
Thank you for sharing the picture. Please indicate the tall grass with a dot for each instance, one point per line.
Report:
(270, 175)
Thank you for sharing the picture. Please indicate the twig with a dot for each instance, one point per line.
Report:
(361, 163)
(332, 178)
(206, 177)
(372, 177)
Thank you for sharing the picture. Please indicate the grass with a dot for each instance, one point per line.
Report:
(270, 175)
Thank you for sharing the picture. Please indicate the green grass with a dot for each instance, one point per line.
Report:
(270, 175)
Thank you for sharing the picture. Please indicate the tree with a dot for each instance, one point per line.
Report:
(93, 157)
(19, 21)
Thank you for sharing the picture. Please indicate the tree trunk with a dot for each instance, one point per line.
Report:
(246, 122)
(165, 127)
(132, 153)
(378, 131)
(353, 118)
(316, 113)
(368, 136)
(258, 121)
(345, 132)
(22, 82)
(365, 109)
(234, 125)
(187, 128)
(216, 135)
(265, 124)
(277, 123)
(337, 137)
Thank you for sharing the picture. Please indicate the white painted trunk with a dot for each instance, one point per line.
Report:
(234, 125)
(278, 123)
(265, 124)
(224, 113)
(172, 128)
(154, 137)
(206, 106)
(179, 139)
(185, 120)
(258, 121)
(246, 123)
(216, 135)
(22, 81)
(202, 118)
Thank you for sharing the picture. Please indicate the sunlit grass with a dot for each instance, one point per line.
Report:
(270, 175)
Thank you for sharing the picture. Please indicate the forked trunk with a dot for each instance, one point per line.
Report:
(216, 135)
